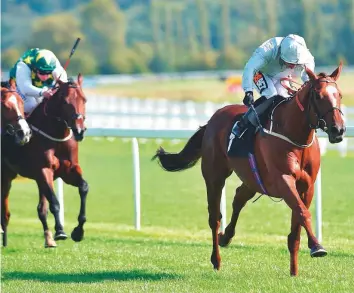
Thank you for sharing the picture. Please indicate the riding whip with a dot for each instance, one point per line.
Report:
(68, 60)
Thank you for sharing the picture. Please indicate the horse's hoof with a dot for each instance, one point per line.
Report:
(77, 234)
(60, 235)
(222, 240)
(50, 244)
(318, 251)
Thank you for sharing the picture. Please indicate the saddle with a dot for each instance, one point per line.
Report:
(244, 145)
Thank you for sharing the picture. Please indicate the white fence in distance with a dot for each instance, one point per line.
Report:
(178, 134)
(134, 113)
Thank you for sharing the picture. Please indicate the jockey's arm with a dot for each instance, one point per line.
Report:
(59, 72)
(255, 63)
(310, 64)
(24, 82)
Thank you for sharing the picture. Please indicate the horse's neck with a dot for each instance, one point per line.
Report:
(44, 119)
(294, 119)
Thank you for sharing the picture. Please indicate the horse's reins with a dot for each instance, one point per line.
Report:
(301, 107)
(69, 136)
(317, 112)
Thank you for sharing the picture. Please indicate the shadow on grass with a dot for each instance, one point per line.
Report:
(89, 277)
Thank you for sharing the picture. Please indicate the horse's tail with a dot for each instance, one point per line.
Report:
(186, 158)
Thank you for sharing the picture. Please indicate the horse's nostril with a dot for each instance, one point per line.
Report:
(342, 130)
(334, 130)
(20, 133)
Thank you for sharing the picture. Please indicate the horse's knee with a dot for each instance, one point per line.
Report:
(42, 210)
(213, 222)
(304, 216)
(293, 242)
(5, 219)
(84, 187)
(54, 207)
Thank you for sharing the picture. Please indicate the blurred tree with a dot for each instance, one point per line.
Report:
(204, 26)
(178, 34)
(225, 26)
(104, 26)
(169, 39)
(309, 15)
(58, 33)
(272, 18)
(9, 58)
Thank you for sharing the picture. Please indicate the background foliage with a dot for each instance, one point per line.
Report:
(135, 36)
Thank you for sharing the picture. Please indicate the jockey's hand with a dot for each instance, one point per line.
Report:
(48, 93)
(248, 99)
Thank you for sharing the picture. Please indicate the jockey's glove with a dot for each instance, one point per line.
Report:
(44, 89)
(248, 99)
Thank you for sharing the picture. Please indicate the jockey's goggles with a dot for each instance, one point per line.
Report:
(44, 72)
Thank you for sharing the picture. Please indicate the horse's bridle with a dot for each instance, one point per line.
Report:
(320, 117)
(60, 119)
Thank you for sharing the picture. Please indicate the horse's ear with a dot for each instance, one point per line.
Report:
(80, 79)
(12, 84)
(310, 73)
(336, 73)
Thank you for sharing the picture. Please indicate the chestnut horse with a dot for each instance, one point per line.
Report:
(287, 157)
(57, 124)
(13, 123)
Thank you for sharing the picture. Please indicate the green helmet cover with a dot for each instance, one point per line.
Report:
(45, 61)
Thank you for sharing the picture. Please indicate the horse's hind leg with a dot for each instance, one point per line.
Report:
(242, 195)
(214, 176)
(72, 174)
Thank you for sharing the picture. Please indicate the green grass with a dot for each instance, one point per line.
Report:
(197, 90)
(171, 253)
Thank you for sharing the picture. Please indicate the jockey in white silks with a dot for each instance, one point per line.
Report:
(276, 58)
(35, 73)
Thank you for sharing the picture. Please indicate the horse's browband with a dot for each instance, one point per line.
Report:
(327, 81)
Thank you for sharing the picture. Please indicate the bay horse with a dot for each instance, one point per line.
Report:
(13, 124)
(287, 157)
(57, 125)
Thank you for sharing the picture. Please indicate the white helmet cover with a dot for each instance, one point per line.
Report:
(293, 49)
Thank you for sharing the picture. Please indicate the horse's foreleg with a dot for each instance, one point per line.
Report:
(242, 195)
(294, 243)
(301, 213)
(78, 233)
(7, 176)
(46, 191)
(42, 210)
(73, 175)
(316, 249)
(5, 210)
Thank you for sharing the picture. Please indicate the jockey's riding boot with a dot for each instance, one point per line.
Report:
(241, 125)
(259, 101)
